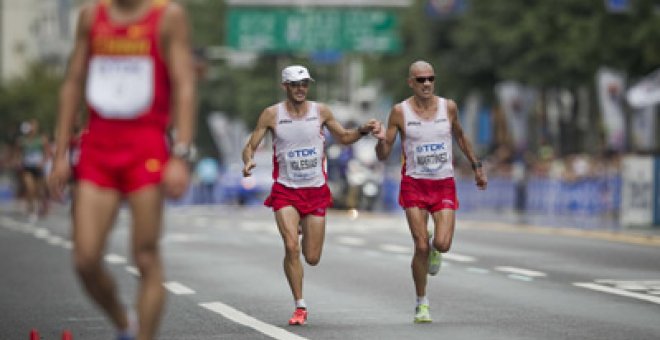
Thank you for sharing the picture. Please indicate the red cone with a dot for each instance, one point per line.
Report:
(34, 335)
(66, 335)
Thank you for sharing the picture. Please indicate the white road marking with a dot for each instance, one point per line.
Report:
(351, 241)
(114, 259)
(521, 271)
(177, 288)
(395, 248)
(616, 291)
(55, 240)
(520, 277)
(246, 320)
(66, 244)
(458, 257)
(41, 233)
(478, 270)
(133, 270)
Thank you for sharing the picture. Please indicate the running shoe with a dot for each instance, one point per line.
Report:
(299, 317)
(435, 260)
(422, 314)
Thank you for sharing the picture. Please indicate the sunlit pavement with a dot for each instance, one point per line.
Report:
(225, 280)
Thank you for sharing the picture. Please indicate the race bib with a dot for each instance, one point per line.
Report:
(303, 163)
(120, 87)
(430, 157)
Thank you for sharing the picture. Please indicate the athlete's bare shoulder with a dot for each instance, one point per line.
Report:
(268, 116)
(174, 9)
(452, 108)
(396, 114)
(86, 15)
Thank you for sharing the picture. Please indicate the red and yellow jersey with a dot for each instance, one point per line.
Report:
(128, 84)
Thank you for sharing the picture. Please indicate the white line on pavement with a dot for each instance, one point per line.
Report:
(611, 290)
(133, 270)
(177, 288)
(351, 241)
(66, 244)
(246, 320)
(478, 270)
(41, 233)
(114, 259)
(395, 248)
(521, 271)
(458, 257)
(55, 240)
(520, 277)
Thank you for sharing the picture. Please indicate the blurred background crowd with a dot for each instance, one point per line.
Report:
(556, 96)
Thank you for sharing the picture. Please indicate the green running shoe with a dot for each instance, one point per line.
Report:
(435, 260)
(422, 314)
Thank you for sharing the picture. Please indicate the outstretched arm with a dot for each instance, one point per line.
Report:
(265, 122)
(347, 136)
(387, 139)
(465, 145)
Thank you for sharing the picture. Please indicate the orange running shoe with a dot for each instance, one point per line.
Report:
(299, 317)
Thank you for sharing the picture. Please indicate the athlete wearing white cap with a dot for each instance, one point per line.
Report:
(300, 194)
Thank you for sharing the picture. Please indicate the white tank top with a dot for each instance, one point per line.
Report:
(427, 144)
(298, 157)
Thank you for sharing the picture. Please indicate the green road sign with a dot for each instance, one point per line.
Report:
(313, 30)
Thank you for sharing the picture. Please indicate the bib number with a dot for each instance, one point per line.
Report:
(303, 163)
(430, 157)
(120, 87)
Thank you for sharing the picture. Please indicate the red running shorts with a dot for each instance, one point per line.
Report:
(429, 194)
(308, 201)
(125, 160)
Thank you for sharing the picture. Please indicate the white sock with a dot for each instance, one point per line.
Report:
(422, 300)
(301, 304)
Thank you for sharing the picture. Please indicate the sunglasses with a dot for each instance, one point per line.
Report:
(423, 80)
(299, 83)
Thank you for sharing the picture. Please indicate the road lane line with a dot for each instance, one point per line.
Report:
(133, 270)
(54, 240)
(177, 288)
(616, 291)
(478, 270)
(520, 277)
(521, 271)
(458, 257)
(41, 233)
(351, 241)
(66, 244)
(395, 248)
(246, 320)
(114, 259)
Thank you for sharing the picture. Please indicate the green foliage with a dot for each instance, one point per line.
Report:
(33, 96)
(542, 43)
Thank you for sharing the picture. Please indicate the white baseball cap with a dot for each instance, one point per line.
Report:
(295, 73)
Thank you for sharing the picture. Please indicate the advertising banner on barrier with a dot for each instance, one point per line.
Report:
(637, 192)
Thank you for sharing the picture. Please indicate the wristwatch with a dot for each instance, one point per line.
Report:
(476, 165)
(186, 152)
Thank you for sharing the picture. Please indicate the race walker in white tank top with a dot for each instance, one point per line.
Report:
(298, 158)
(427, 144)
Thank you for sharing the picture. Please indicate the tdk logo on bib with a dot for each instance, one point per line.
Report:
(302, 153)
(430, 147)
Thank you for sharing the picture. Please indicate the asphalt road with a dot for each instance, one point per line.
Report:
(225, 280)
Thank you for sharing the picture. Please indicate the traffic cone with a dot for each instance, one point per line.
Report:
(66, 335)
(34, 334)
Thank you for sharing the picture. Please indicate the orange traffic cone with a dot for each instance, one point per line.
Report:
(66, 335)
(34, 334)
